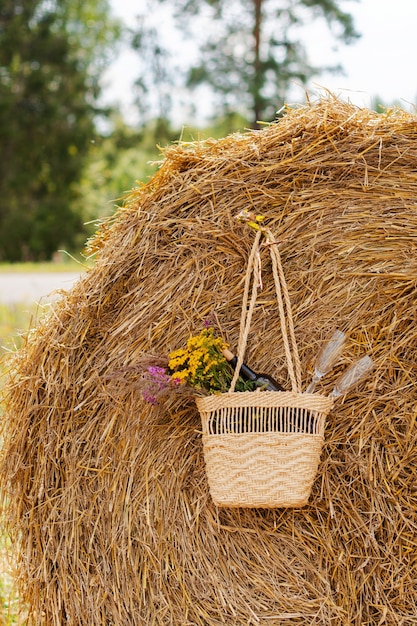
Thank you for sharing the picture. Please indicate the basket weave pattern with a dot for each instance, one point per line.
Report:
(262, 449)
(263, 411)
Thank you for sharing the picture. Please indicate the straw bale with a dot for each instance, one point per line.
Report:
(106, 498)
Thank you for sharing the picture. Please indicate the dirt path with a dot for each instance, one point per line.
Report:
(34, 287)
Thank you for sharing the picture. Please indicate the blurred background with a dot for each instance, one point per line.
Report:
(89, 90)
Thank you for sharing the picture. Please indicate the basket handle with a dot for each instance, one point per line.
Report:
(284, 306)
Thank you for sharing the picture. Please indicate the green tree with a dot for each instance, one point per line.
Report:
(51, 56)
(380, 106)
(155, 81)
(125, 158)
(249, 51)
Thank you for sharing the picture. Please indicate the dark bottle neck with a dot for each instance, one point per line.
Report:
(248, 374)
(245, 371)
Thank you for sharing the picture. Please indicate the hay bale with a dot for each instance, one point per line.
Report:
(106, 498)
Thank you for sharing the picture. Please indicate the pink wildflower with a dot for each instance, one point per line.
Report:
(157, 381)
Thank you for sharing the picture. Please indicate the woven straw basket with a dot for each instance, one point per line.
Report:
(262, 448)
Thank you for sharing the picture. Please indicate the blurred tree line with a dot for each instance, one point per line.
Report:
(60, 170)
(52, 54)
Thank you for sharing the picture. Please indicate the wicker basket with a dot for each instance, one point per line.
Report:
(262, 448)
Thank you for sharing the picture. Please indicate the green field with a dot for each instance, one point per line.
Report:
(65, 264)
(15, 319)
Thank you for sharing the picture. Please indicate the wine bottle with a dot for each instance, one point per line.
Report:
(270, 384)
(264, 381)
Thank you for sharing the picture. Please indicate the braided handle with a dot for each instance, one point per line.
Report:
(284, 307)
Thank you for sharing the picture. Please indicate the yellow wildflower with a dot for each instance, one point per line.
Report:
(180, 376)
(201, 363)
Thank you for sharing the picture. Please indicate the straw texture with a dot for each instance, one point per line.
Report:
(106, 499)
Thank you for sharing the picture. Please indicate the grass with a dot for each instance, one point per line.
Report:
(9, 603)
(15, 319)
(70, 265)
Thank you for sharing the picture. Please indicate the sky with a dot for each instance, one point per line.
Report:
(380, 63)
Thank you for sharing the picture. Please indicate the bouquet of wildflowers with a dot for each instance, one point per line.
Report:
(199, 367)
